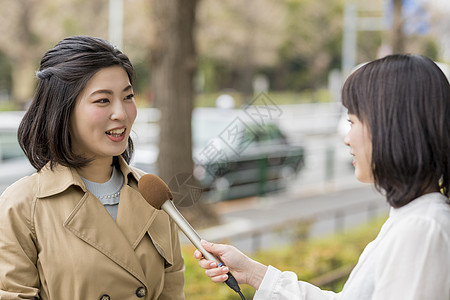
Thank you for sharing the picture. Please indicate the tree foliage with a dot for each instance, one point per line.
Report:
(30, 27)
(294, 42)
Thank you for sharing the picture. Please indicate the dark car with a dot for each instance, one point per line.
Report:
(258, 159)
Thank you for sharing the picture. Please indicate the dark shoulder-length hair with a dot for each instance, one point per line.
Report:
(405, 101)
(63, 73)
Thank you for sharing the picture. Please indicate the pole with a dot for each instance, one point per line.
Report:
(349, 38)
(116, 22)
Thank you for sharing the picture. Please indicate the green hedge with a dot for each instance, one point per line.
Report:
(309, 259)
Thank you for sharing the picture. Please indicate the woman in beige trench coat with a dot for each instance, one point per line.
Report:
(62, 235)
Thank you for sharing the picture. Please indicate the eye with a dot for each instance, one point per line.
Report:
(103, 100)
(129, 97)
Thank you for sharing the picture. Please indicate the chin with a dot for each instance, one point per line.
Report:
(118, 152)
(364, 178)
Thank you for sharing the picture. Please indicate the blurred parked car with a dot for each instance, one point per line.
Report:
(260, 162)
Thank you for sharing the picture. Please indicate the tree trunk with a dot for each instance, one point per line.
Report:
(173, 61)
(173, 67)
(24, 59)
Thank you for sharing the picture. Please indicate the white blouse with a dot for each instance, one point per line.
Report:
(409, 259)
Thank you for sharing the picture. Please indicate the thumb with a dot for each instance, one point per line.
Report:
(210, 247)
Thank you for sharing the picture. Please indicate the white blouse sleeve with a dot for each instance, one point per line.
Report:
(278, 285)
(416, 265)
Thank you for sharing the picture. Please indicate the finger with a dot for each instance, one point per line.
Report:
(207, 245)
(207, 264)
(217, 272)
(219, 279)
(198, 254)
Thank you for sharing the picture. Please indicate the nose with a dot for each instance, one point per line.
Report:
(347, 139)
(118, 111)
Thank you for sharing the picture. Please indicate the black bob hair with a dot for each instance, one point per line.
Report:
(63, 73)
(405, 101)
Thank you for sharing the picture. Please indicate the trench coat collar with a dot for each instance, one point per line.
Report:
(55, 180)
(134, 218)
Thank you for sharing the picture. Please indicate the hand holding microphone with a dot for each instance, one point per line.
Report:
(245, 269)
(157, 193)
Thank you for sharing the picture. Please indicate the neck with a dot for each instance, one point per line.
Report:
(98, 171)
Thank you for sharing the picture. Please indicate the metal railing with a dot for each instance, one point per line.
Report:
(303, 228)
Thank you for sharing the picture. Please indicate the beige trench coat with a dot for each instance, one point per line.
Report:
(57, 241)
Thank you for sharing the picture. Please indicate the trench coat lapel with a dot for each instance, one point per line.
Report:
(90, 222)
(134, 216)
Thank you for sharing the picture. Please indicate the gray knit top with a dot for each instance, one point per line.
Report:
(109, 192)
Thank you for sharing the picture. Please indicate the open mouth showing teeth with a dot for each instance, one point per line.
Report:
(115, 132)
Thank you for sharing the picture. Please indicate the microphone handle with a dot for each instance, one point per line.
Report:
(187, 229)
(195, 239)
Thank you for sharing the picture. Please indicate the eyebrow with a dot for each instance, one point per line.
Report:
(109, 92)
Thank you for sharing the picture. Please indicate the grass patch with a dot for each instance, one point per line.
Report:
(309, 259)
(8, 106)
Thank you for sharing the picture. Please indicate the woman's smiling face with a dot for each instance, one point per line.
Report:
(360, 143)
(103, 115)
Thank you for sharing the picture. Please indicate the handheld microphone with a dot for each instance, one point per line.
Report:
(156, 192)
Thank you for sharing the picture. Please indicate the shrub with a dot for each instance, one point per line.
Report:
(309, 259)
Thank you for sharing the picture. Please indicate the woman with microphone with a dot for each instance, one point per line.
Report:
(78, 228)
(399, 111)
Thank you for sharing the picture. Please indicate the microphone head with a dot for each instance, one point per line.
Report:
(154, 190)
